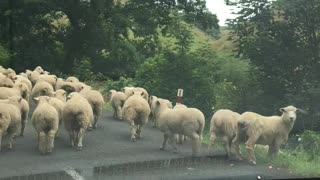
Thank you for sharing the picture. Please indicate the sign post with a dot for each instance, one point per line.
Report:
(179, 96)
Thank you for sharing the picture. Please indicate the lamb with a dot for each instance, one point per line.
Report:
(45, 120)
(180, 137)
(117, 100)
(257, 129)
(136, 112)
(42, 88)
(128, 91)
(77, 116)
(19, 89)
(5, 81)
(224, 122)
(152, 103)
(96, 101)
(23, 106)
(186, 121)
(72, 79)
(10, 122)
(61, 95)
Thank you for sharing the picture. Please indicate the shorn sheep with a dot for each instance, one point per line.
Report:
(77, 116)
(224, 122)
(45, 120)
(117, 99)
(10, 117)
(23, 106)
(257, 129)
(152, 103)
(186, 121)
(136, 112)
(180, 137)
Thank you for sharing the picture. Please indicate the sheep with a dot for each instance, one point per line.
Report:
(72, 87)
(34, 76)
(51, 79)
(224, 122)
(2, 69)
(257, 129)
(45, 120)
(128, 91)
(96, 101)
(19, 89)
(152, 103)
(186, 121)
(38, 69)
(59, 83)
(77, 116)
(5, 81)
(61, 95)
(10, 73)
(42, 88)
(22, 79)
(117, 100)
(180, 137)
(136, 112)
(72, 79)
(24, 75)
(10, 122)
(23, 106)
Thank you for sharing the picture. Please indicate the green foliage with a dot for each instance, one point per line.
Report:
(119, 84)
(4, 56)
(310, 143)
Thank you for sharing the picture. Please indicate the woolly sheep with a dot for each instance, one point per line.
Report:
(77, 115)
(51, 79)
(42, 88)
(38, 69)
(24, 75)
(72, 79)
(96, 101)
(10, 122)
(18, 89)
(45, 120)
(60, 94)
(10, 73)
(2, 69)
(22, 79)
(136, 112)
(152, 103)
(72, 87)
(5, 81)
(257, 129)
(117, 99)
(23, 106)
(128, 91)
(187, 121)
(224, 122)
(180, 137)
(59, 83)
(34, 76)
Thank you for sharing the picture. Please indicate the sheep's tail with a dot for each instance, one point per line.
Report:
(80, 121)
(201, 122)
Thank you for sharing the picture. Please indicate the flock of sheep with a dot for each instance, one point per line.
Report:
(79, 107)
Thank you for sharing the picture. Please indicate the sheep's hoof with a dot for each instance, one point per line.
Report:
(161, 148)
(21, 134)
(90, 128)
(133, 139)
(79, 148)
(253, 162)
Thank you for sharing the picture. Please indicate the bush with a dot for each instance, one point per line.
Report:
(119, 84)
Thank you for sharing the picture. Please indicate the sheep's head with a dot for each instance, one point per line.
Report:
(41, 99)
(289, 113)
(39, 69)
(71, 95)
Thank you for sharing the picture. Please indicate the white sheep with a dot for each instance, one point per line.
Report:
(10, 117)
(5, 81)
(38, 69)
(23, 106)
(22, 79)
(10, 73)
(59, 84)
(42, 88)
(152, 103)
(77, 116)
(128, 91)
(34, 76)
(224, 122)
(265, 130)
(60, 94)
(18, 89)
(96, 101)
(73, 86)
(45, 120)
(72, 79)
(180, 137)
(51, 79)
(187, 121)
(136, 112)
(117, 99)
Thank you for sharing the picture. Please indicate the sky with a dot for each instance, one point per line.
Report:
(219, 8)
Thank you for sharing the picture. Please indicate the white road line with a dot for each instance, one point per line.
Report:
(74, 174)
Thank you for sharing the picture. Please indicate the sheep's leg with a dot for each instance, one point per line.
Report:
(225, 140)
(273, 150)
(0, 141)
(50, 143)
(212, 141)
(173, 143)
(165, 140)
(119, 113)
(235, 146)
(98, 111)
(71, 138)
(180, 138)
(23, 125)
(80, 138)
(133, 131)
(11, 134)
(195, 144)
(42, 142)
(114, 113)
(139, 129)
(250, 149)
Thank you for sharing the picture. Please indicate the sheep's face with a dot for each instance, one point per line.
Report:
(39, 69)
(41, 99)
(289, 113)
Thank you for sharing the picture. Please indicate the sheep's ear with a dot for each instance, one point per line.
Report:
(142, 93)
(132, 92)
(282, 110)
(44, 90)
(20, 99)
(48, 98)
(54, 93)
(64, 93)
(1, 115)
(36, 99)
(20, 85)
(158, 103)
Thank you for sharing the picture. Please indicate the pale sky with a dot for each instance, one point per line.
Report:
(219, 8)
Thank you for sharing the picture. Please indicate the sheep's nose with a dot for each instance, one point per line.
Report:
(291, 118)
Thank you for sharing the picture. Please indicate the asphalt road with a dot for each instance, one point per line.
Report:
(110, 145)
